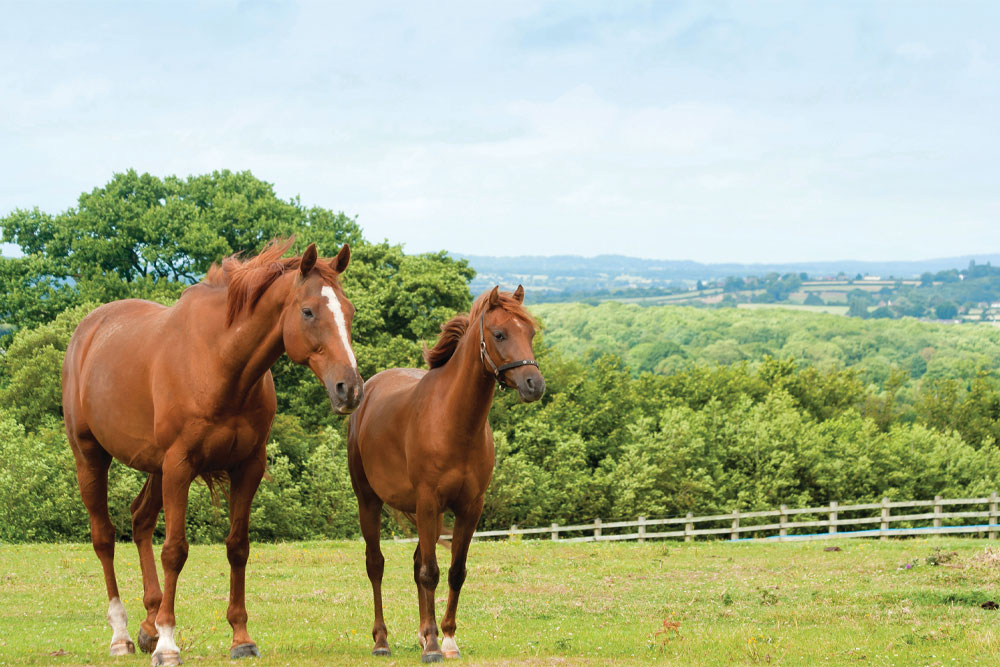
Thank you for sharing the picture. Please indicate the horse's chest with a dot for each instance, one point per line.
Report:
(454, 473)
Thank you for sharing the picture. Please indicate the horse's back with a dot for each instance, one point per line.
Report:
(386, 392)
(105, 335)
(113, 320)
(395, 379)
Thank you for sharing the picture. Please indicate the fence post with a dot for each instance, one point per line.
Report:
(688, 527)
(513, 532)
(884, 531)
(642, 529)
(735, 535)
(833, 518)
(993, 516)
(783, 522)
(555, 531)
(937, 511)
(597, 528)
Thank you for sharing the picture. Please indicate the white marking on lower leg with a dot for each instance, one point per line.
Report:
(166, 640)
(449, 645)
(118, 620)
(333, 303)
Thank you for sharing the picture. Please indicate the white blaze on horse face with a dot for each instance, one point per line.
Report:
(333, 303)
(118, 620)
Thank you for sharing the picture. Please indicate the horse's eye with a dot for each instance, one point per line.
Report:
(307, 313)
(498, 335)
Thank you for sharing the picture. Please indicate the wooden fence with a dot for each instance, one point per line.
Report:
(786, 524)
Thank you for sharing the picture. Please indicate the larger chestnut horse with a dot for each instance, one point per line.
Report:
(421, 442)
(186, 391)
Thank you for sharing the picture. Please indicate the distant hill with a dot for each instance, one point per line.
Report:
(557, 274)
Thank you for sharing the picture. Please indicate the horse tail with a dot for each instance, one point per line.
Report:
(217, 481)
(444, 540)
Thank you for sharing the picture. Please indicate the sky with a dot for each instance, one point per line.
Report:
(712, 131)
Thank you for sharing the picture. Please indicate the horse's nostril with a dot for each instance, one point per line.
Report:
(341, 390)
(530, 383)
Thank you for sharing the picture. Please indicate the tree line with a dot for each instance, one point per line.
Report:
(646, 412)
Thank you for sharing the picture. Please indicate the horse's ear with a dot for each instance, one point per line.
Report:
(495, 297)
(308, 259)
(519, 294)
(343, 258)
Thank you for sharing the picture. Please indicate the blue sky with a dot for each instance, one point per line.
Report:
(708, 131)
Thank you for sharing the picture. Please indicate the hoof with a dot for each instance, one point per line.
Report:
(122, 647)
(450, 655)
(244, 651)
(436, 656)
(382, 652)
(147, 644)
(167, 658)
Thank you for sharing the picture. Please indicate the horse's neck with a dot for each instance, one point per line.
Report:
(253, 343)
(470, 389)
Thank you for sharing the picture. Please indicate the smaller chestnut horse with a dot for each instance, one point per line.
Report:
(421, 442)
(186, 391)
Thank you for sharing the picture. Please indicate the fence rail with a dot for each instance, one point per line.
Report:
(754, 525)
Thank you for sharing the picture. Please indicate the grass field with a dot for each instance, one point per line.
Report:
(832, 310)
(883, 603)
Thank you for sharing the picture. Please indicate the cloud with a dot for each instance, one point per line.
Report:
(732, 132)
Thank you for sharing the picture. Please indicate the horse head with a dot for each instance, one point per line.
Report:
(506, 333)
(316, 327)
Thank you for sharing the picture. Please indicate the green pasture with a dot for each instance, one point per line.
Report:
(903, 602)
(831, 310)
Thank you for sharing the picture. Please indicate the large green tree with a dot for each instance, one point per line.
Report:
(140, 226)
(150, 237)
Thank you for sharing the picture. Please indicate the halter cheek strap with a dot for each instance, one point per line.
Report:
(498, 371)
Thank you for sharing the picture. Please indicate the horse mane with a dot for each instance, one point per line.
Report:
(451, 333)
(246, 280)
(454, 329)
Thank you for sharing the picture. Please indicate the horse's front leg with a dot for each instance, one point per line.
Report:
(427, 574)
(244, 481)
(177, 477)
(465, 525)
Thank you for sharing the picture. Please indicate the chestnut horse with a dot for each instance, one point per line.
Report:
(186, 391)
(421, 442)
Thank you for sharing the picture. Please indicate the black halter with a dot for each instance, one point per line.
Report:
(498, 371)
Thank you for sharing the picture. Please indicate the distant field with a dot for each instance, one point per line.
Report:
(665, 339)
(702, 603)
(833, 310)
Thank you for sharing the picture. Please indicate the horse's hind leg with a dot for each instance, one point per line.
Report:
(145, 511)
(92, 464)
(465, 526)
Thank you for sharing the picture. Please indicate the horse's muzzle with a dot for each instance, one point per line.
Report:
(345, 393)
(529, 382)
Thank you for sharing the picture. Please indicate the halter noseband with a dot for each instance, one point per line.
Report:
(498, 371)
